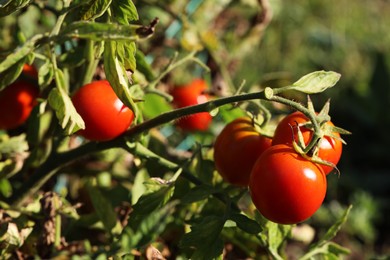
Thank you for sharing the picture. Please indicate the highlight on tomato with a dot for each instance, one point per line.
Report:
(285, 187)
(191, 94)
(18, 99)
(104, 114)
(330, 148)
(236, 150)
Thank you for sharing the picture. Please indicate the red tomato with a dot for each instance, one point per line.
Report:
(104, 114)
(30, 71)
(330, 149)
(236, 150)
(17, 100)
(285, 187)
(189, 95)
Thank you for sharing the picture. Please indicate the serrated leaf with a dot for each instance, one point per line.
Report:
(246, 224)
(124, 11)
(94, 9)
(117, 76)
(103, 207)
(10, 7)
(315, 82)
(65, 111)
(204, 238)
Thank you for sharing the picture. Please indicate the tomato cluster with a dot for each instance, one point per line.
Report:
(285, 186)
(104, 114)
(18, 99)
(189, 95)
(236, 150)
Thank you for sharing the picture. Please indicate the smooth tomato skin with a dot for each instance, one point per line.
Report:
(104, 114)
(189, 95)
(17, 101)
(330, 149)
(236, 150)
(285, 187)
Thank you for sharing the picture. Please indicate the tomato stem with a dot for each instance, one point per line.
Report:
(317, 133)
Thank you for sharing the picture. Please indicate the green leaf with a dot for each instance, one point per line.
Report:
(277, 234)
(103, 207)
(198, 193)
(312, 83)
(138, 186)
(15, 144)
(336, 249)
(45, 74)
(204, 238)
(154, 105)
(316, 82)
(20, 53)
(11, 74)
(149, 228)
(124, 11)
(94, 9)
(149, 202)
(246, 224)
(101, 31)
(116, 74)
(126, 53)
(143, 66)
(5, 188)
(66, 113)
(332, 232)
(328, 250)
(12, 6)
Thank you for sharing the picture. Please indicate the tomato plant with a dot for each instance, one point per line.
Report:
(144, 186)
(329, 148)
(17, 100)
(236, 150)
(104, 114)
(189, 95)
(285, 187)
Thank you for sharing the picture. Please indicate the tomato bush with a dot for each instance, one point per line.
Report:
(236, 150)
(104, 114)
(18, 99)
(329, 148)
(145, 189)
(285, 187)
(191, 94)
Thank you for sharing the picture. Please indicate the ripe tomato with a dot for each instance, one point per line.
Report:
(104, 114)
(189, 95)
(285, 187)
(236, 150)
(330, 149)
(17, 100)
